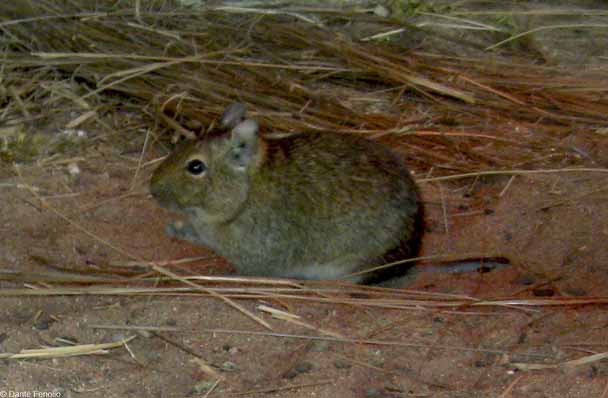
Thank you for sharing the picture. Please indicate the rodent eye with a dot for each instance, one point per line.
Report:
(196, 167)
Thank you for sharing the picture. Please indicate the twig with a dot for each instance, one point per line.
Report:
(510, 173)
(140, 161)
(541, 28)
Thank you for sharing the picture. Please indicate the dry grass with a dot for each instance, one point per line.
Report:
(180, 67)
(272, 289)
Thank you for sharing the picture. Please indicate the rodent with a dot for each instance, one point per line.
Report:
(306, 206)
(312, 205)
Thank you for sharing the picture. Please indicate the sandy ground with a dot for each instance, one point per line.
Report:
(552, 226)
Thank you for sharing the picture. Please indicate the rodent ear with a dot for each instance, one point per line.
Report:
(233, 115)
(244, 142)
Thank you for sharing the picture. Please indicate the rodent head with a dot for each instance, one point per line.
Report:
(210, 175)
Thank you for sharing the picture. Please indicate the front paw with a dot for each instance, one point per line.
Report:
(179, 229)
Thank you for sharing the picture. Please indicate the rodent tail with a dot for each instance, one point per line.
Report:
(476, 264)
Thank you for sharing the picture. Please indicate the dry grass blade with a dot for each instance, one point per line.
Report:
(57, 277)
(568, 364)
(62, 352)
(295, 319)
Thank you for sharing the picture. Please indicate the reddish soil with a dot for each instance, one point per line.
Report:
(552, 227)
